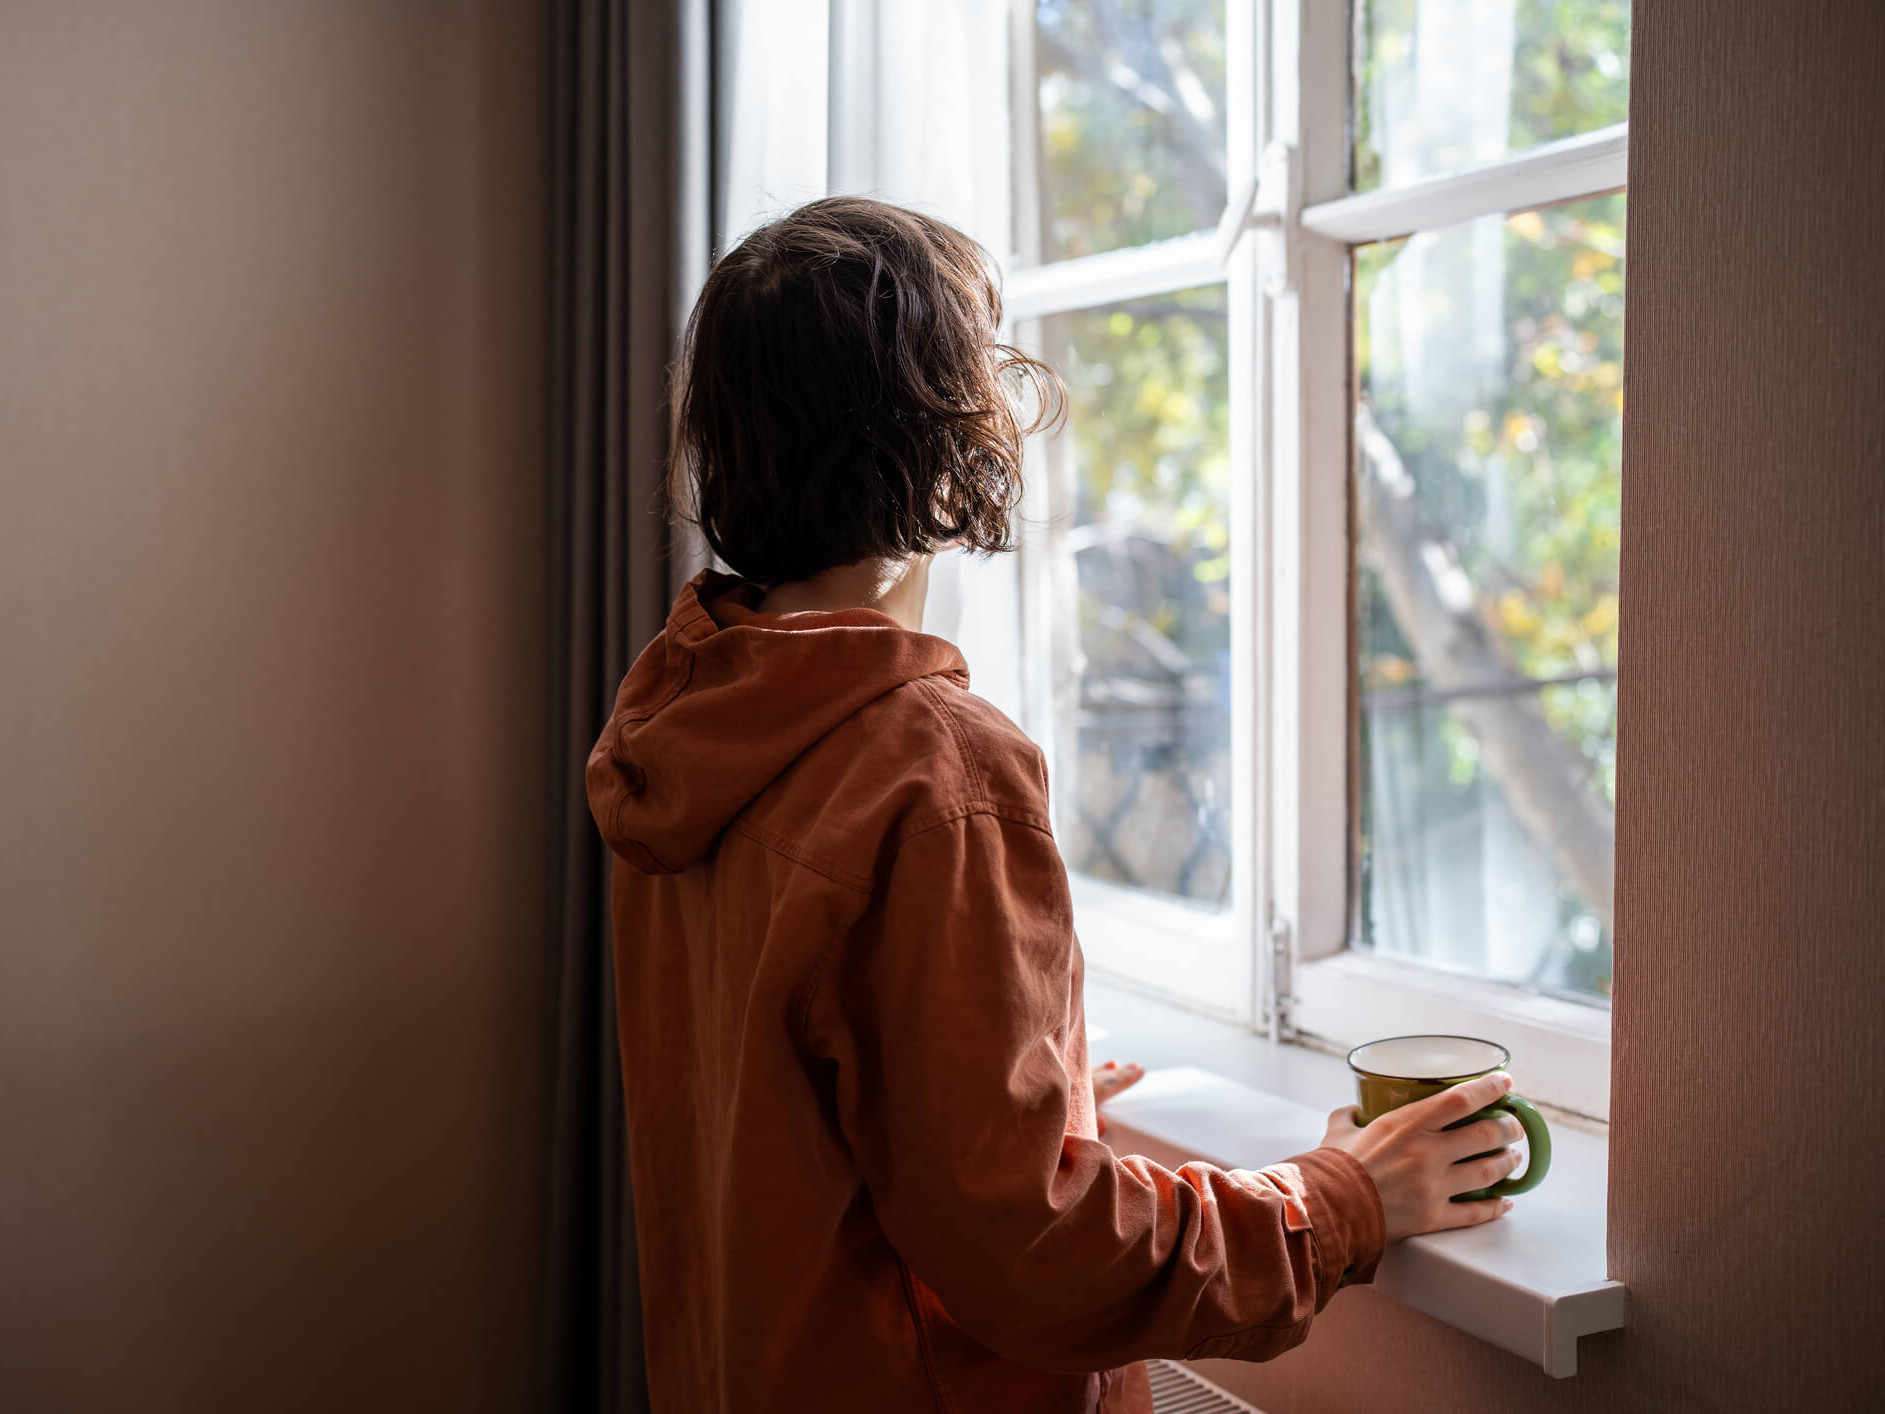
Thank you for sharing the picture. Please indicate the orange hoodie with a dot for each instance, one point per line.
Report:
(861, 1121)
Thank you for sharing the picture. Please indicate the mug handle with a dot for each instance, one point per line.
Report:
(1537, 1136)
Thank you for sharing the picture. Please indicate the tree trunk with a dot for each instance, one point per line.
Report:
(1547, 782)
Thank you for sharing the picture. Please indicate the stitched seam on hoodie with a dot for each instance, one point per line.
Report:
(837, 873)
(686, 676)
(943, 1402)
(975, 807)
(1322, 1273)
(616, 830)
(815, 977)
(980, 790)
(1317, 1271)
(621, 801)
(1192, 1354)
(1326, 1273)
(694, 616)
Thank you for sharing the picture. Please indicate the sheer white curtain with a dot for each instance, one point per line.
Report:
(902, 99)
(919, 111)
(906, 100)
(773, 96)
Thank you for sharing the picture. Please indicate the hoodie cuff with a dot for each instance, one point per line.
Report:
(1345, 1215)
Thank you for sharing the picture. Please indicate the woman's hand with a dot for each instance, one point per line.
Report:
(1418, 1164)
(1110, 1079)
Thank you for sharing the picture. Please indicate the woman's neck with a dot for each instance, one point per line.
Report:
(894, 587)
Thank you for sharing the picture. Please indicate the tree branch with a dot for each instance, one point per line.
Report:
(1547, 781)
(1196, 154)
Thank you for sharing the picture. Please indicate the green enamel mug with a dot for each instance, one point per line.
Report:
(1399, 1070)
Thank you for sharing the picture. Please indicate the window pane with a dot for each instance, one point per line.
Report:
(1487, 493)
(1131, 124)
(1441, 84)
(1140, 544)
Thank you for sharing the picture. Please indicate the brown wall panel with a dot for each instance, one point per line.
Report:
(271, 735)
(1750, 1043)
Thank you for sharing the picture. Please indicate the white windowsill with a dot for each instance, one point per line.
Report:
(1560, 1049)
(1530, 1283)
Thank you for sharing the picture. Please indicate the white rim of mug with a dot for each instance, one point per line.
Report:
(1431, 1079)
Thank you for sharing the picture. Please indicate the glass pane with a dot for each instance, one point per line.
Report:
(1140, 544)
(1131, 124)
(1487, 494)
(1441, 84)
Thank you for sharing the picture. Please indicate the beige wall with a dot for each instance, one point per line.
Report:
(270, 722)
(1750, 990)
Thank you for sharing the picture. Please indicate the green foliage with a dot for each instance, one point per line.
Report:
(1523, 478)
(1527, 484)
(1516, 463)
(1515, 453)
(1149, 415)
(1568, 67)
(1132, 121)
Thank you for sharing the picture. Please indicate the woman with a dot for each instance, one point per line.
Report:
(864, 1145)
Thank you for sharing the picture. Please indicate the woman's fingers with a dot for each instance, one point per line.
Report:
(1341, 1127)
(1482, 1136)
(1419, 1166)
(1472, 1174)
(1111, 1078)
(1471, 1214)
(1453, 1105)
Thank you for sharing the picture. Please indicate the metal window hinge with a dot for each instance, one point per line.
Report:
(1270, 201)
(1280, 1010)
(1279, 217)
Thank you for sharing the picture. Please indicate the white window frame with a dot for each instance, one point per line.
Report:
(1324, 990)
(1186, 953)
(1283, 252)
(1279, 960)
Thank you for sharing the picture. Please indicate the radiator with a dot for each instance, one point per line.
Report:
(1175, 1390)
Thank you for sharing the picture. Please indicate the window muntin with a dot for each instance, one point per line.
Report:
(1272, 955)
(1129, 122)
(1285, 288)
(1139, 540)
(1444, 84)
(1487, 491)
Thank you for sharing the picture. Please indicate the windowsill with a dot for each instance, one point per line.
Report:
(1560, 1049)
(1530, 1283)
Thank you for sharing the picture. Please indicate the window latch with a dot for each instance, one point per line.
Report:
(1280, 1005)
(1270, 200)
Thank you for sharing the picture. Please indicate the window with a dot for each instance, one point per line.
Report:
(1138, 542)
(1325, 583)
(1142, 473)
(1469, 242)
(1488, 374)
(1128, 124)
(1315, 614)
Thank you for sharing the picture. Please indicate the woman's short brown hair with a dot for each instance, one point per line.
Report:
(841, 395)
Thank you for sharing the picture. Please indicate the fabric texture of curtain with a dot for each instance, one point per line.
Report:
(624, 188)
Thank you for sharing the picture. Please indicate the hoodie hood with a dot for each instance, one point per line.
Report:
(724, 700)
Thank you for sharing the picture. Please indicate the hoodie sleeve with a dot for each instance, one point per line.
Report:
(950, 1022)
